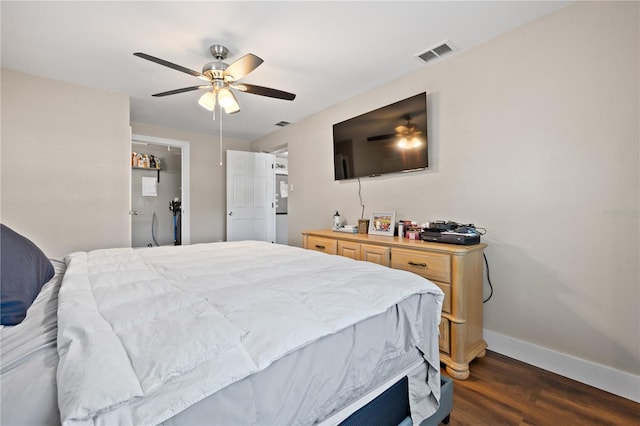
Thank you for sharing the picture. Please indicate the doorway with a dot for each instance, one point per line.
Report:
(282, 193)
(251, 207)
(160, 197)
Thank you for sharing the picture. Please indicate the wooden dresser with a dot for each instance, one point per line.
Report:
(456, 269)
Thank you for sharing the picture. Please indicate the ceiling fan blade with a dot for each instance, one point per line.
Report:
(243, 66)
(380, 138)
(184, 89)
(265, 91)
(171, 65)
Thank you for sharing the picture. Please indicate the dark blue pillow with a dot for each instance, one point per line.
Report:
(24, 269)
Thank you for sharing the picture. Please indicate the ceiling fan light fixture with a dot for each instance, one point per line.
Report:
(228, 101)
(208, 101)
(225, 98)
(232, 109)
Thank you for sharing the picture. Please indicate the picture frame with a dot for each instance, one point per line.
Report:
(363, 226)
(383, 224)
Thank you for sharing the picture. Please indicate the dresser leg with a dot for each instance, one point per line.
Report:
(460, 374)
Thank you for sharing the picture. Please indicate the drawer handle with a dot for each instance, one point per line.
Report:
(318, 246)
(422, 265)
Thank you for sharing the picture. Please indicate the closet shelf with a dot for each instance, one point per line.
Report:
(148, 168)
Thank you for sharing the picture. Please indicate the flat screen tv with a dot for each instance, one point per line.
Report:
(390, 139)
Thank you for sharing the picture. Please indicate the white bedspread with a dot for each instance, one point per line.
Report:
(144, 334)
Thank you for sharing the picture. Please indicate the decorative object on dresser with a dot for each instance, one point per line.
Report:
(410, 230)
(349, 229)
(383, 224)
(363, 226)
(456, 269)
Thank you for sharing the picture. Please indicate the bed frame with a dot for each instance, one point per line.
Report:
(391, 408)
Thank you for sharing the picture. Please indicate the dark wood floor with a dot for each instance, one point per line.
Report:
(503, 391)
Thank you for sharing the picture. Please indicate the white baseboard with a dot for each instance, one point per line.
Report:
(600, 376)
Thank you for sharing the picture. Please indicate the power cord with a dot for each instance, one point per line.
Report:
(481, 231)
(360, 196)
(486, 262)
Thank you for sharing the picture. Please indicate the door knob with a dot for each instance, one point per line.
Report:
(133, 213)
(230, 213)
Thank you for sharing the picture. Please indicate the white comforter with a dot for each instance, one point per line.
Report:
(144, 334)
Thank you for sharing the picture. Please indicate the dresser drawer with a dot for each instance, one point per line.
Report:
(325, 245)
(349, 249)
(434, 266)
(375, 254)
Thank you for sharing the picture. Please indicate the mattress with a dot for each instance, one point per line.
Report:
(317, 384)
(307, 382)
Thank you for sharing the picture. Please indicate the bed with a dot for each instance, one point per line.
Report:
(222, 333)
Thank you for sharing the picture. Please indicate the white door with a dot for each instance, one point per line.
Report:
(251, 210)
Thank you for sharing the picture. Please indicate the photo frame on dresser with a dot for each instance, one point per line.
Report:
(383, 224)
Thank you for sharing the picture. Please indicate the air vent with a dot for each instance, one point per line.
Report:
(434, 52)
(282, 123)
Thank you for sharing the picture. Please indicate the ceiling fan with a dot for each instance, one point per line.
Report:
(406, 135)
(221, 78)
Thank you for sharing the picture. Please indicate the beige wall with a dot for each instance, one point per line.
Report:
(535, 137)
(64, 170)
(208, 179)
(65, 166)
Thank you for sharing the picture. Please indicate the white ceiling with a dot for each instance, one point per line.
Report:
(325, 52)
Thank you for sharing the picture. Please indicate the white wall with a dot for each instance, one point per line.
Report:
(65, 173)
(535, 137)
(208, 178)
